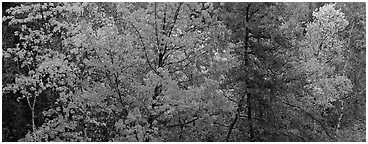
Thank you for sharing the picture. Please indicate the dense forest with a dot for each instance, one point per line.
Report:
(189, 72)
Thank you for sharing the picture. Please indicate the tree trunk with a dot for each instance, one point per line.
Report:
(340, 116)
(33, 120)
(250, 122)
(249, 96)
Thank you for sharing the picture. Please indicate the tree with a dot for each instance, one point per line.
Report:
(322, 61)
(354, 37)
(256, 44)
(94, 67)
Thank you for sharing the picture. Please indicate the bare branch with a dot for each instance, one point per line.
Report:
(144, 47)
(232, 127)
(175, 18)
(183, 124)
(314, 118)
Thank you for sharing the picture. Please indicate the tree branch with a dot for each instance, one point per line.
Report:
(235, 119)
(144, 48)
(232, 127)
(175, 18)
(321, 124)
(183, 124)
(157, 38)
(180, 61)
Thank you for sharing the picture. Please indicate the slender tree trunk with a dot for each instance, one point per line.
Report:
(250, 122)
(232, 126)
(249, 96)
(340, 116)
(33, 120)
(85, 133)
(32, 107)
(238, 111)
(160, 63)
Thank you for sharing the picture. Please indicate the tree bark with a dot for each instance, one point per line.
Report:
(250, 121)
(249, 96)
(340, 116)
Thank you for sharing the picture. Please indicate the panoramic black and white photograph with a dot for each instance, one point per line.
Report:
(183, 71)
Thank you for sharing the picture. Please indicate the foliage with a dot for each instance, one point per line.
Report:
(180, 72)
